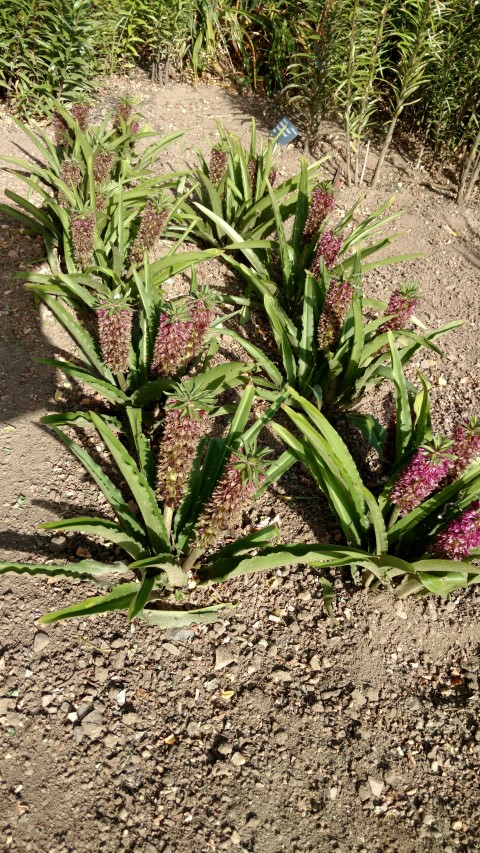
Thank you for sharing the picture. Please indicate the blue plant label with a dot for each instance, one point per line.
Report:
(287, 131)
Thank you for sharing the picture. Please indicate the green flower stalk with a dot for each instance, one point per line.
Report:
(83, 234)
(336, 305)
(152, 222)
(102, 166)
(218, 165)
(233, 493)
(114, 333)
(322, 203)
(402, 304)
(423, 474)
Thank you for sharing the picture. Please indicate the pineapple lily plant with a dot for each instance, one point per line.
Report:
(91, 181)
(331, 352)
(422, 531)
(185, 502)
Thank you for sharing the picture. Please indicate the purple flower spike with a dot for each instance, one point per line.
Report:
(322, 203)
(402, 304)
(328, 249)
(224, 509)
(170, 345)
(461, 536)
(80, 113)
(183, 430)
(115, 332)
(425, 471)
(151, 226)
(334, 311)
(218, 165)
(466, 446)
(83, 234)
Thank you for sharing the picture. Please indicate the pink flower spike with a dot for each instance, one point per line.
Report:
(328, 249)
(425, 471)
(461, 536)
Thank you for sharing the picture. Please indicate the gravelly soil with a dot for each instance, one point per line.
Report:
(274, 729)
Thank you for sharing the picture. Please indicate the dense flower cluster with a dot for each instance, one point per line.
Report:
(402, 304)
(425, 471)
(61, 135)
(334, 311)
(466, 447)
(70, 173)
(218, 165)
(322, 203)
(102, 166)
(80, 112)
(170, 345)
(182, 432)
(224, 509)
(83, 233)
(328, 248)
(179, 340)
(115, 332)
(151, 226)
(201, 318)
(461, 536)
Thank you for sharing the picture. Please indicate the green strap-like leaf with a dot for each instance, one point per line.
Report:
(85, 569)
(183, 618)
(278, 557)
(137, 483)
(120, 598)
(108, 530)
(112, 494)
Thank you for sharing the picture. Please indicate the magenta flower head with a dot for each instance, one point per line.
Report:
(83, 236)
(322, 203)
(402, 304)
(328, 249)
(335, 307)
(466, 447)
(114, 317)
(461, 536)
(425, 471)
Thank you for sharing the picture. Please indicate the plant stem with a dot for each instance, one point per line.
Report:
(192, 558)
(122, 381)
(168, 517)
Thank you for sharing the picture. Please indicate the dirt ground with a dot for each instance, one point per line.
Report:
(273, 730)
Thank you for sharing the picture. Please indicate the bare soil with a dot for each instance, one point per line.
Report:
(273, 730)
